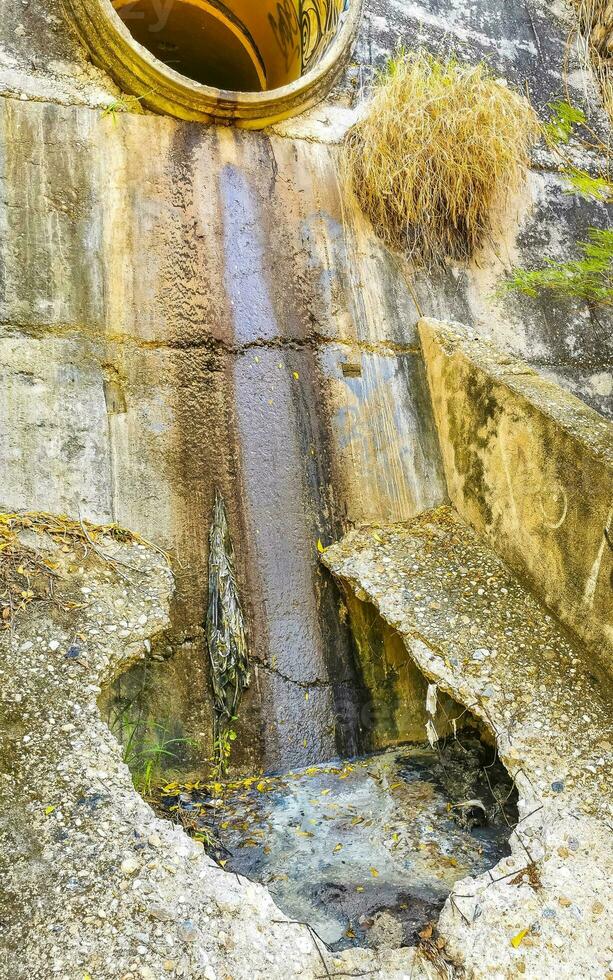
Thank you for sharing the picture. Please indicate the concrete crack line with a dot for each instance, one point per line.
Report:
(386, 348)
(305, 685)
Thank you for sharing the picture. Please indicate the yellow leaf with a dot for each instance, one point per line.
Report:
(359, 888)
(374, 872)
(49, 810)
(338, 848)
(306, 696)
(516, 940)
(320, 546)
(296, 376)
(261, 787)
(223, 863)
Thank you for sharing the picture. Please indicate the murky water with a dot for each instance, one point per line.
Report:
(365, 852)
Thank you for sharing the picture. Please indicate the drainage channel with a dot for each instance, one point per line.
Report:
(363, 851)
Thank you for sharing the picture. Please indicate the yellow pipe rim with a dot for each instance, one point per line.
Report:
(139, 73)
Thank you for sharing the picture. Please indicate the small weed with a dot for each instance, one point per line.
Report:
(589, 278)
(222, 751)
(125, 103)
(147, 763)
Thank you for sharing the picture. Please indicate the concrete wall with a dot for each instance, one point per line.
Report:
(184, 307)
(531, 467)
(164, 333)
(528, 44)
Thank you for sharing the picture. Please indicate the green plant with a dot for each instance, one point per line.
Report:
(222, 751)
(146, 763)
(589, 277)
(439, 148)
(125, 103)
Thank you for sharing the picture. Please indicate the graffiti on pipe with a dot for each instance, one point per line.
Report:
(304, 28)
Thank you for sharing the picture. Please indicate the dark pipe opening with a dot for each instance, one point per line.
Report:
(205, 42)
(238, 45)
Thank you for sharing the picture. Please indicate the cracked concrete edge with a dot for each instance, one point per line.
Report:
(482, 914)
(547, 397)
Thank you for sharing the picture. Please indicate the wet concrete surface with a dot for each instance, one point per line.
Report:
(365, 852)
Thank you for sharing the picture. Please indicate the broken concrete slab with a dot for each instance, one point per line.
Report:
(480, 636)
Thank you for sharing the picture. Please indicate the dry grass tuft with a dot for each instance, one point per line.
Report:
(596, 28)
(440, 148)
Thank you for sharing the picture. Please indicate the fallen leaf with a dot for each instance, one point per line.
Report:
(516, 940)
(427, 932)
(320, 546)
(338, 848)
(374, 872)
